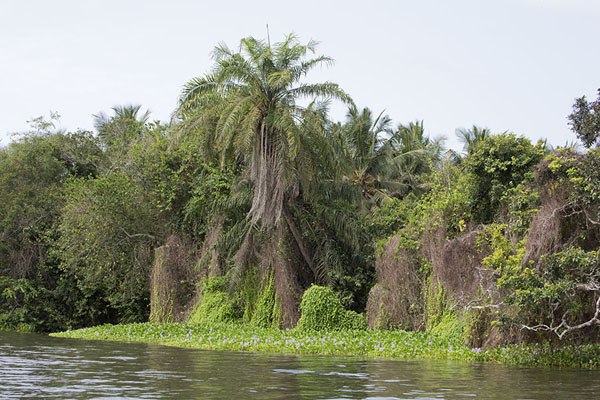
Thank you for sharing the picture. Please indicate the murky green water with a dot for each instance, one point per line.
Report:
(36, 366)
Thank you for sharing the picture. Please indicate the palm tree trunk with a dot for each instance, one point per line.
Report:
(298, 237)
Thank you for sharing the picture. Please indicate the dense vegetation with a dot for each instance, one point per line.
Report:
(251, 195)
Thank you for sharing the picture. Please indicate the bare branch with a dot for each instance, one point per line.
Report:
(564, 328)
(131, 236)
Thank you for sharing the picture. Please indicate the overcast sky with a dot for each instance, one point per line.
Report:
(504, 64)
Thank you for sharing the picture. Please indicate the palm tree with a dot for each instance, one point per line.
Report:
(117, 132)
(413, 154)
(470, 137)
(361, 154)
(252, 99)
(380, 161)
(249, 109)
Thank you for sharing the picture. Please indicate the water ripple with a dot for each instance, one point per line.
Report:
(43, 367)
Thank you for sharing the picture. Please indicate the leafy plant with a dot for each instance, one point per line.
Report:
(321, 310)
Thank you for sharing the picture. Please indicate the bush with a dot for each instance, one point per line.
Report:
(322, 310)
(498, 164)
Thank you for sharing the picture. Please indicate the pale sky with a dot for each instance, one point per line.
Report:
(504, 64)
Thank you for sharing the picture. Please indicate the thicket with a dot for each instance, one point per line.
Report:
(252, 206)
(503, 248)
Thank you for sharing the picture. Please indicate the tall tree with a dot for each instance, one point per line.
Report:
(585, 120)
(254, 95)
(251, 110)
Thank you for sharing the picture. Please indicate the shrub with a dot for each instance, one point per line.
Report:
(322, 310)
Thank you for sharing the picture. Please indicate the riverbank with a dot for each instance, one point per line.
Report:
(363, 343)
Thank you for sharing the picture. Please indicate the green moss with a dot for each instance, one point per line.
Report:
(160, 312)
(354, 320)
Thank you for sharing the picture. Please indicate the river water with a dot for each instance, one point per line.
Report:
(37, 366)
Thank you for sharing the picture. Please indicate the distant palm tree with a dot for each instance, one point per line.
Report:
(470, 137)
(123, 127)
(359, 146)
(380, 161)
(413, 154)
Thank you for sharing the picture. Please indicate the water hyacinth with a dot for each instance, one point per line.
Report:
(364, 343)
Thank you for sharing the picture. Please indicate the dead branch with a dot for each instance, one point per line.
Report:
(563, 328)
(131, 236)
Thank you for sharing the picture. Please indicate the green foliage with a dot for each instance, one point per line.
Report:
(499, 163)
(321, 310)
(45, 302)
(554, 291)
(391, 216)
(353, 320)
(17, 308)
(33, 170)
(585, 120)
(216, 304)
(450, 328)
(435, 303)
(453, 324)
(107, 231)
(520, 204)
(505, 256)
(558, 290)
(447, 204)
(265, 314)
(209, 191)
(581, 174)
